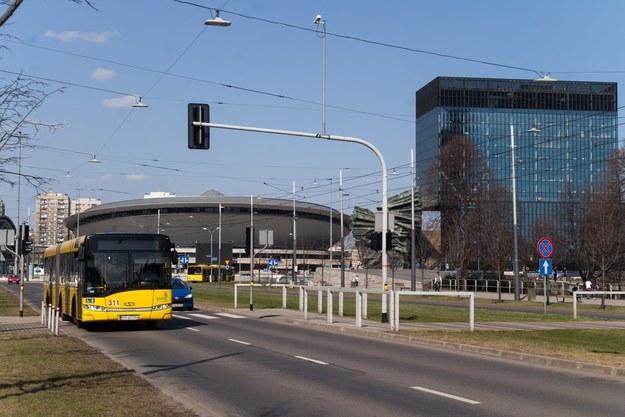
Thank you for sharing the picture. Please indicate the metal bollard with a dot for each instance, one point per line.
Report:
(56, 321)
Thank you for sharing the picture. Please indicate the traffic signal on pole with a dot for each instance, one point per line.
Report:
(390, 236)
(376, 241)
(25, 245)
(199, 136)
(248, 239)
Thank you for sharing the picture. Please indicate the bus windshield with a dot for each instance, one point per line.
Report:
(110, 271)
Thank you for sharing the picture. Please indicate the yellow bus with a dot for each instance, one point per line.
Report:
(110, 277)
(209, 273)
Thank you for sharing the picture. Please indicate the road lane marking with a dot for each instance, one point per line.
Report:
(182, 317)
(192, 328)
(204, 316)
(304, 358)
(231, 316)
(444, 394)
(239, 341)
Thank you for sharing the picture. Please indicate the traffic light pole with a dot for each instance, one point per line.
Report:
(339, 139)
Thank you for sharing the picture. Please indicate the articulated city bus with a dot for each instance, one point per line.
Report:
(111, 277)
(209, 273)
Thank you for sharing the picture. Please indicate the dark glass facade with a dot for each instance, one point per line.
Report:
(564, 134)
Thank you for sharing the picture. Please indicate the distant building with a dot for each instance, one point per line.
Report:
(50, 211)
(564, 131)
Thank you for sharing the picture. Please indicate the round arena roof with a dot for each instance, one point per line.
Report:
(188, 220)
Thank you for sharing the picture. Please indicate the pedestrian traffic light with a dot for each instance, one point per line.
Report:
(199, 136)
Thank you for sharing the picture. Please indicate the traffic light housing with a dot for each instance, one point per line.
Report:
(376, 241)
(199, 136)
(24, 244)
(248, 239)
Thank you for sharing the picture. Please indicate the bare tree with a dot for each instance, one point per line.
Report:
(458, 176)
(496, 244)
(20, 98)
(13, 5)
(602, 223)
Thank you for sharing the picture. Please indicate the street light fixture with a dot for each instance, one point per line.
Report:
(140, 104)
(94, 160)
(217, 20)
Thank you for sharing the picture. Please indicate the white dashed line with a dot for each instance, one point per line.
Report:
(191, 328)
(204, 316)
(182, 317)
(231, 316)
(311, 360)
(444, 394)
(239, 341)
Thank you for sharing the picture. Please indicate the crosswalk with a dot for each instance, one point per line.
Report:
(212, 316)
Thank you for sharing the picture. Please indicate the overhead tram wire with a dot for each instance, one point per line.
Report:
(220, 84)
(376, 43)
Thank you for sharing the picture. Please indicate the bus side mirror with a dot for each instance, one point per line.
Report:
(174, 256)
(81, 254)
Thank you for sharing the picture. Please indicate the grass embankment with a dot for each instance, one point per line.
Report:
(606, 347)
(48, 376)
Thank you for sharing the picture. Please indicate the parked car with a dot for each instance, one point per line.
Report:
(11, 279)
(182, 295)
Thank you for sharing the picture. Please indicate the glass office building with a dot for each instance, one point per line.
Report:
(564, 134)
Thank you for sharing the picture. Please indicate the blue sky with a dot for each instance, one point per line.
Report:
(265, 71)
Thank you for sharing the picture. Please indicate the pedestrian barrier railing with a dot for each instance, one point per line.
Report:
(578, 294)
(361, 296)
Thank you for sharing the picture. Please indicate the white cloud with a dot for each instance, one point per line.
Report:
(71, 36)
(125, 101)
(137, 177)
(103, 74)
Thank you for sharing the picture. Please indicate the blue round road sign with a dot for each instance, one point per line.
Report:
(545, 247)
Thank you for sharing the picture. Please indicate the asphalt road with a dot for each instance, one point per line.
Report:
(255, 365)
(236, 365)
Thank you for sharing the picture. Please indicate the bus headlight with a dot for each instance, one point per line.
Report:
(161, 307)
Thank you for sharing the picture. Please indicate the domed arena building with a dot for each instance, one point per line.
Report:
(195, 222)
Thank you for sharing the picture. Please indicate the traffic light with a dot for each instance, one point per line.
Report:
(376, 241)
(27, 247)
(24, 244)
(199, 136)
(248, 239)
(390, 237)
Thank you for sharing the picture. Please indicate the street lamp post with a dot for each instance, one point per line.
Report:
(515, 232)
(319, 21)
(210, 232)
(342, 237)
(294, 265)
(219, 247)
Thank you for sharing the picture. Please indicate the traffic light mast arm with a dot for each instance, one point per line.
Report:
(339, 139)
